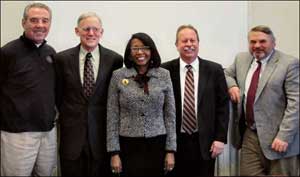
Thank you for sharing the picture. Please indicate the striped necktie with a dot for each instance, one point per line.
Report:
(189, 121)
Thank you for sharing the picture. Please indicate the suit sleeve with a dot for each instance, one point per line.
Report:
(113, 118)
(290, 122)
(3, 75)
(222, 107)
(169, 114)
(230, 74)
(58, 65)
(119, 62)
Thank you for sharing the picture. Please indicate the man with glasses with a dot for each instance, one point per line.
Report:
(83, 76)
(27, 105)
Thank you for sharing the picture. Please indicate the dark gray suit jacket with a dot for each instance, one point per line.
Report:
(82, 119)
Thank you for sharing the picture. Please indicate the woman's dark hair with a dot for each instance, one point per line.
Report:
(155, 60)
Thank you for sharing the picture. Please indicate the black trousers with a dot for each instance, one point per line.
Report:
(188, 159)
(143, 156)
(85, 165)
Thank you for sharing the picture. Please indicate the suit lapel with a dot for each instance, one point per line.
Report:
(269, 69)
(243, 71)
(101, 69)
(75, 68)
(202, 79)
(175, 76)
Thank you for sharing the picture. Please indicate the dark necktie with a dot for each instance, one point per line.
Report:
(189, 121)
(88, 77)
(251, 96)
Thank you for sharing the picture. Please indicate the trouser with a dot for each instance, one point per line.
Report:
(28, 153)
(85, 165)
(254, 163)
(188, 158)
(143, 156)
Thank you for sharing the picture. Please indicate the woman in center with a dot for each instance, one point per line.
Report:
(141, 136)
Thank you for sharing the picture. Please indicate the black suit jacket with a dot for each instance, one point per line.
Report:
(81, 119)
(213, 103)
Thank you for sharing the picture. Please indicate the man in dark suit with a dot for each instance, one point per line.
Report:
(202, 127)
(83, 75)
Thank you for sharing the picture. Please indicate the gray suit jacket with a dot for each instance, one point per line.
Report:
(132, 113)
(276, 106)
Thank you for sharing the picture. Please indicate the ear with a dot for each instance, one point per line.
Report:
(176, 45)
(77, 31)
(23, 22)
(102, 31)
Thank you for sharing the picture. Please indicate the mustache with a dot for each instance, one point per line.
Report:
(192, 48)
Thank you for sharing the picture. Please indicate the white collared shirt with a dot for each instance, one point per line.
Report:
(95, 61)
(183, 70)
(250, 73)
(252, 69)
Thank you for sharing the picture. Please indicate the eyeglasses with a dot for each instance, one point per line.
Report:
(142, 49)
(88, 29)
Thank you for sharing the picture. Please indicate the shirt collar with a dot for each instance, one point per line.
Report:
(266, 59)
(194, 64)
(83, 52)
(31, 42)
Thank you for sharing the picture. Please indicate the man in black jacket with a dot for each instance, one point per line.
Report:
(27, 105)
(202, 107)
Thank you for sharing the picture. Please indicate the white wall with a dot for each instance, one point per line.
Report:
(222, 26)
(11, 20)
(282, 17)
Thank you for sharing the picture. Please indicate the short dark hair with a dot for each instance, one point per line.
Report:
(263, 29)
(155, 59)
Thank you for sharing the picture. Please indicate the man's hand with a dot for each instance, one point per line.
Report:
(279, 145)
(234, 93)
(216, 148)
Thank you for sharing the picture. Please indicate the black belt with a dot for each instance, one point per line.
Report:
(253, 130)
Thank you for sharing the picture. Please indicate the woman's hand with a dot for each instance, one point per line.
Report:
(116, 164)
(169, 161)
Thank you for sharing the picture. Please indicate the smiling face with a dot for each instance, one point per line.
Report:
(260, 44)
(140, 54)
(36, 25)
(90, 31)
(187, 44)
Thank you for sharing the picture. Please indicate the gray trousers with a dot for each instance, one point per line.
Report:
(254, 163)
(28, 153)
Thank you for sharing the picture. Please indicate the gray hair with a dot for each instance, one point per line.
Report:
(184, 27)
(36, 5)
(263, 29)
(86, 15)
